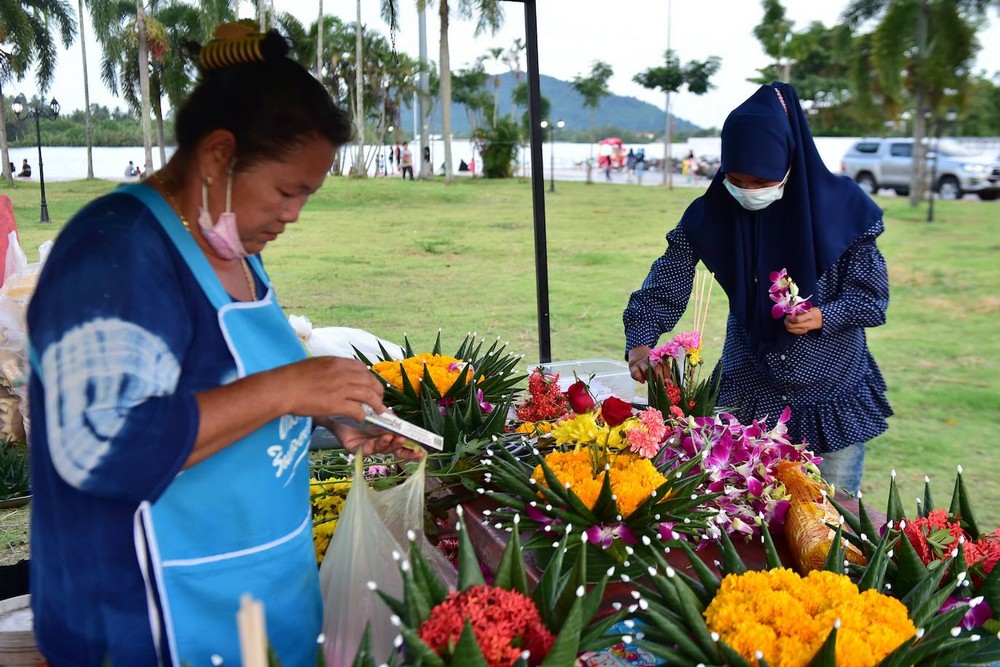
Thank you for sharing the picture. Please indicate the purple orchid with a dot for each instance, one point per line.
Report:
(605, 535)
(979, 611)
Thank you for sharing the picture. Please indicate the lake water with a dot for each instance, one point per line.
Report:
(66, 163)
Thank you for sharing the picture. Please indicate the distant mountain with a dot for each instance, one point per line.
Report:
(627, 113)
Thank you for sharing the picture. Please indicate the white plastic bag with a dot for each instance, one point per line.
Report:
(341, 341)
(372, 529)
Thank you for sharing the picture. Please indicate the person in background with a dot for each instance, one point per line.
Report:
(640, 165)
(774, 205)
(406, 161)
(629, 165)
(131, 171)
(25, 169)
(172, 403)
(13, 169)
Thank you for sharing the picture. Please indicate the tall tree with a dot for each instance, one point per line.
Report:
(488, 15)
(668, 78)
(774, 32)
(593, 89)
(900, 66)
(88, 130)
(27, 39)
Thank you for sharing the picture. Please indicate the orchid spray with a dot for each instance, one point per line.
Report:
(785, 294)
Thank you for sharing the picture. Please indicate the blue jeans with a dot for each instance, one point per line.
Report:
(843, 467)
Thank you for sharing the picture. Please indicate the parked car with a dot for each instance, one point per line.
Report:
(952, 169)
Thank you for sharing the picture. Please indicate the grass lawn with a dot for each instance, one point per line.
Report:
(397, 258)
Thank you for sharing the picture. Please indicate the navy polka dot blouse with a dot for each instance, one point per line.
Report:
(828, 377)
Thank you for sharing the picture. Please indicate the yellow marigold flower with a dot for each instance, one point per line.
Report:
(327, 499)
(535, 428)
(443, 369)
(633, 479)
(788, 617)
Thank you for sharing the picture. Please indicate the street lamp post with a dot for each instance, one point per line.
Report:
(21, 109)
(552, 152)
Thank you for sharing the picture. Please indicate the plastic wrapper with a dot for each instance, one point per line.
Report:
(341, 341)
(372, 528)
(806, 530)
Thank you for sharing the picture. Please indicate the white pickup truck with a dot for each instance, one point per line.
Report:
(877, 163)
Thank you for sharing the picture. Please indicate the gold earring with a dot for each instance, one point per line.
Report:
(208, 180)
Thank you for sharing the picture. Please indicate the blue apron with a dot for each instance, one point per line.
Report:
(240, 521)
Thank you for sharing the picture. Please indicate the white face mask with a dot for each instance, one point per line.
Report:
(755, 199)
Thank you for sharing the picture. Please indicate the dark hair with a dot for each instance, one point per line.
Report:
(271, 107)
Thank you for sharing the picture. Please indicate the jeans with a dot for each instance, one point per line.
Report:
(843, 467)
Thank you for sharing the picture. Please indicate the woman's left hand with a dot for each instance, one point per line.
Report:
(366, 444)
(803, 323)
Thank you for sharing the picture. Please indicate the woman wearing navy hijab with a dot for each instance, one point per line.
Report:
(774, 205)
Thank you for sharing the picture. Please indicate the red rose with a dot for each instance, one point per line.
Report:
(579, 397)
(615, 411)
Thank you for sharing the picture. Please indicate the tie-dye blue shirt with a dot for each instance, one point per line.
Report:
(124, 337)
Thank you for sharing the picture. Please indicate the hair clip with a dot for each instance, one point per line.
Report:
(233, 43)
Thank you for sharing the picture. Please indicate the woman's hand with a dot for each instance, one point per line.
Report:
(803, 323)
(329, 386)
(638, 363)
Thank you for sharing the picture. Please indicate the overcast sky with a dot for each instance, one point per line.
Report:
(630, 35)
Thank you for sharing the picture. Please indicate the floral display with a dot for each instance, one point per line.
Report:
(327, 499)
(785, 294)
(786, 617)
(545, 400)
(683, 393)
(503, 623)
(740, 465)
(463, 397)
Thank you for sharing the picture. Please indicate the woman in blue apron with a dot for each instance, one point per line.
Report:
(172, 404)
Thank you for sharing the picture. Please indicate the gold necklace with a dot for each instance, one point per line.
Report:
(244, 264)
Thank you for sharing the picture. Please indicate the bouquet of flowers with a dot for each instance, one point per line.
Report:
(544, 403)
(464, 398)
(740, 464)
(502, 623)
(601, 474)
(785, 294)
(824, 619)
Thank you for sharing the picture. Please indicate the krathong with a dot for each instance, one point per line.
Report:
(463, 397)
(785, 294)
(505, 623)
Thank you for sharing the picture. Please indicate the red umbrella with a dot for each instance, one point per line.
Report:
(611, 140)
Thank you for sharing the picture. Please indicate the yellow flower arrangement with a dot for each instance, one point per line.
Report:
(583, 429)
(632, 477)
(443, 369)
(535, 428)
(787, 618)
(327, 500)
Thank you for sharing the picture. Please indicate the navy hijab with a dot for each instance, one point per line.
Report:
(814, 223)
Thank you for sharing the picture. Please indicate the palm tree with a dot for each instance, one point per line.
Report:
(88, 130)
(488, 15)
(592, 89)
(899, 64)
(26, 39)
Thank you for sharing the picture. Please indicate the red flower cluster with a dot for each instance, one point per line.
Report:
(545, 400)
(505, 624)
(674, 394)
(935, 536)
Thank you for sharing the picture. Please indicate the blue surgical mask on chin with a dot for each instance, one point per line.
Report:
(755, 199)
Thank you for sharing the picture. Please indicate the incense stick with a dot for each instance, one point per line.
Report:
(252, 632)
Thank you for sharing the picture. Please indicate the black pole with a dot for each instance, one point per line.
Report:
(44, 216)
(537, 182)
(552, 158)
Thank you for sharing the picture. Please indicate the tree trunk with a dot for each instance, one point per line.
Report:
(423, 101)
(262, 15)
(88, 130)
(8, 175)
(446, 93)
(319, 43)
(147, 130)
(919, 171)
(668, 162)
(360, 171)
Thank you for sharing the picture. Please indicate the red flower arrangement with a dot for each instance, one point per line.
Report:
(935, 536)
(545, 400)
(506, 624)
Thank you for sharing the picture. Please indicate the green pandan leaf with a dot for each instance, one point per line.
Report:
(878, 562)
(467, 651)
(674, 633)
(606, 508)
(894, 508)
(567, 644)
(731, 561)
(425, 577)
(510, 573)
(733, 659)
(910, 570)
(709, 581)
(928, 502)
(990, 590)
(418, 652)
(827, 655)
(965, 507)
(835, 555)
(469, 572)
(437, 345)
(364, 657)
(548, 588)
(772, 559)
(692, 611)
